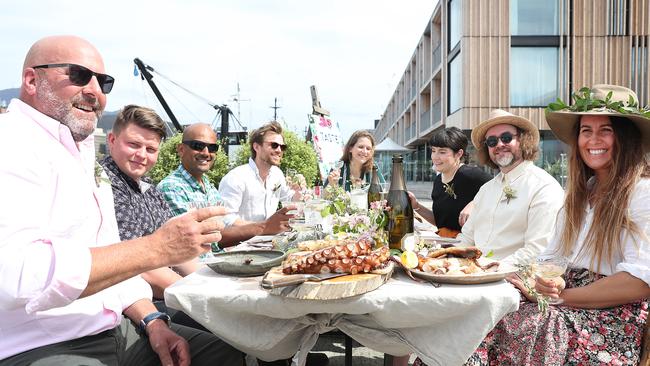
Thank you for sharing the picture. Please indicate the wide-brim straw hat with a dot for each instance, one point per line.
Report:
(563, 122)
(497, 117)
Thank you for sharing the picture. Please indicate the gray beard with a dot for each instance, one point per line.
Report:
(505, 161)
(62, 112)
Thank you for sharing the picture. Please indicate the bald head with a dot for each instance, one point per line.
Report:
(51, 91)
(62, 49)
(195, 130)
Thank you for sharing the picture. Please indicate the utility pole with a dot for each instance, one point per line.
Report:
(275, 109)
(237, 98)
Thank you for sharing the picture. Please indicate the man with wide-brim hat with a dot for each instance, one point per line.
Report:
(601, 100)
(514, 213)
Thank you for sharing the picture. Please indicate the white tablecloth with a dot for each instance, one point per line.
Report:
(441, 325)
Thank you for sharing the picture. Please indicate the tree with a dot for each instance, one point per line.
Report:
(300, 156)
(168, 161)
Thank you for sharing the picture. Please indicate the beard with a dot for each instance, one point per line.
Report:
(62, 111)
(507, 158)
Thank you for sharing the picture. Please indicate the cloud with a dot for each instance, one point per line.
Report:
(353, 51)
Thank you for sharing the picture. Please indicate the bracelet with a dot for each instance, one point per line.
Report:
(142, 329)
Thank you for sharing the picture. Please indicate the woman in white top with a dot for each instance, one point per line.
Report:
(604, 230)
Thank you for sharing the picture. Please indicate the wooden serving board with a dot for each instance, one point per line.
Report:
(334, 288)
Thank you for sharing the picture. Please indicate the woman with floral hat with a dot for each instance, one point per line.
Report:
(604, 231)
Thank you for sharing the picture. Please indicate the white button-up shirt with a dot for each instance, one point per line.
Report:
(254, 199)
(515, 230)
(52, 213)
(634, 256)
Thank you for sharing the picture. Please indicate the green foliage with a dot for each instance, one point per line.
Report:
(583, 102)
(299, 156)
(168, 161)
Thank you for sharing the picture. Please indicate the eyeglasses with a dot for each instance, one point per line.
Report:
(506, 138)
(200, 145)
(80, 76)
(275, 145)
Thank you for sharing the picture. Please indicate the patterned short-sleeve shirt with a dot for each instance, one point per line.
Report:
(179, 189)
(140, 208)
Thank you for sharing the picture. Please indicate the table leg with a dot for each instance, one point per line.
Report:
(388, 360)
(348, 350)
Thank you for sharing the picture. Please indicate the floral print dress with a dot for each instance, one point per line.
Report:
(565, 335)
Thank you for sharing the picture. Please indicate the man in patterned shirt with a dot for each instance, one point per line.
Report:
(188, 183)
(140, 207)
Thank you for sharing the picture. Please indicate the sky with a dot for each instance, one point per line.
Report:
(354, 51)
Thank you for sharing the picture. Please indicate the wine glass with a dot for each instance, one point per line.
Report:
(338, 165)
(384, 189)
(551, 268)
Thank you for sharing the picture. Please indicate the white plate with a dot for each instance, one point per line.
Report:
(469, 279)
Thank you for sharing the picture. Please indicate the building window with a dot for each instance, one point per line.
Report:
(617, 16)
(533, 76)
(533, 17)
(455, 84)
(638, 68)
(455, 23)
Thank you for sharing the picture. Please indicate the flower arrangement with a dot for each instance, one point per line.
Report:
(372, 222)
(339, 201)
(525, 273)
(298, 181)
(449, 189)
(510, 193)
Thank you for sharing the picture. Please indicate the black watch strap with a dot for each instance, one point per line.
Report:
(142, 329)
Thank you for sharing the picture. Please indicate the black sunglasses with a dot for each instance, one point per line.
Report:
(275, 145)
(506, 138)
(80, 76)
(200, 145)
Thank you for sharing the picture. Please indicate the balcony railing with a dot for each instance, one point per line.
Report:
(436, 112)
(436, 57)
(425, 120)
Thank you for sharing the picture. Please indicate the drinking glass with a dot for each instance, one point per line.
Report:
(338, 165)
(195, 205)
(551, 268)
(384, 189)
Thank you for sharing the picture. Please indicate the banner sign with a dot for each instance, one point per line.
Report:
(327, 141)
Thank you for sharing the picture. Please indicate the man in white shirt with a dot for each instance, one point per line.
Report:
(515, 212)
(254, 190)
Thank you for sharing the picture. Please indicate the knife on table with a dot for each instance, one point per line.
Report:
(296, 279)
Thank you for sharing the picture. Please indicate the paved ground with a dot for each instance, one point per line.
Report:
(334, 347)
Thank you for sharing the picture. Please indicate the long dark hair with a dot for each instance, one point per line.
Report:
(612, 198)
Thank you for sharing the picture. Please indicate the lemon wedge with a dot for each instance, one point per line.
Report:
(409, 259)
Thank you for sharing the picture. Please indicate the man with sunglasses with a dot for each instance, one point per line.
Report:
(67, 280)
(514, 213)
(189, 183)
(254, 190)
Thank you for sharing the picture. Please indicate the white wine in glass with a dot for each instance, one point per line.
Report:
(551, 268)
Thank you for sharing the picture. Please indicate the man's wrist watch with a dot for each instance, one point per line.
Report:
(151, 317)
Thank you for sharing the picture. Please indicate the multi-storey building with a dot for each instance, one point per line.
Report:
(517, 55)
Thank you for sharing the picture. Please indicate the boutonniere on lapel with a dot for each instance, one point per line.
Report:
(509, 192)
(99, 179)
(449, 189)
(276, 188)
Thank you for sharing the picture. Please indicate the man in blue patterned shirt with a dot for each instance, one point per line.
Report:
(188, 183)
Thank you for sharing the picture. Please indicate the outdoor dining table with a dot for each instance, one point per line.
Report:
(443, 325)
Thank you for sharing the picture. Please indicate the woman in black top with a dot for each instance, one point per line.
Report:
(456, 185)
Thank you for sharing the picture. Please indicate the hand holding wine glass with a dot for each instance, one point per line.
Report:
(547, 271)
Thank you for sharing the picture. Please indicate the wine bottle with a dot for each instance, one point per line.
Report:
(400, 216)
(318, 186)
(374, 191)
